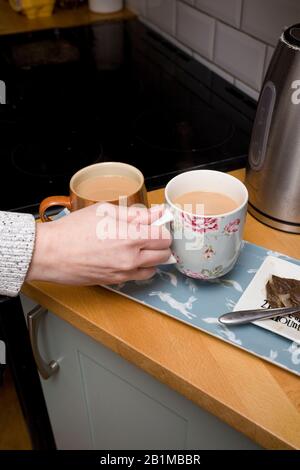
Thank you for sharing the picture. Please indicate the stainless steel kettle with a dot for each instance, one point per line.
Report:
(273, 172)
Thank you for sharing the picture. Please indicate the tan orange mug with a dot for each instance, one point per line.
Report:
(76, 201)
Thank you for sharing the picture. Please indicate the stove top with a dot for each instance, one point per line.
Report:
(111, 91)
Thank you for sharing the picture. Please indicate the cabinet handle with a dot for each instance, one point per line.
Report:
(46, 370)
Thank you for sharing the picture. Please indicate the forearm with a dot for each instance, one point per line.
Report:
(17, 238)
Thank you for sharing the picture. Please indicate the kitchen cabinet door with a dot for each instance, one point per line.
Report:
(98, 400)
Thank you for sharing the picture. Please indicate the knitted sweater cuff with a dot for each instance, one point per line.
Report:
(17, 237)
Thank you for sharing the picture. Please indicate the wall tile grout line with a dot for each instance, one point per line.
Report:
(241, 14)
(214, 41)
(174, 26)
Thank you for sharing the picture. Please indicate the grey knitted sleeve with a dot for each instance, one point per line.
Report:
(17, 236)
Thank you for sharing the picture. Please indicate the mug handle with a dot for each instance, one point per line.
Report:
(166, 218)
(63, 201)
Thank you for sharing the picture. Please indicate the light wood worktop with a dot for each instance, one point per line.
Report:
(13, 22)
(255, 397)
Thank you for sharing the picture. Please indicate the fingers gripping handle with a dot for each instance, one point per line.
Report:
(166, 218)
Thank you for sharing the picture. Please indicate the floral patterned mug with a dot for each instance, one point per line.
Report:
(206, 247)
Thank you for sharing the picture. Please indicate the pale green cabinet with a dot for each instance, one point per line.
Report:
(98, 400)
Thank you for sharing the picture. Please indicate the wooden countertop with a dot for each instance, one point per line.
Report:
(13, 22)
(253, 396)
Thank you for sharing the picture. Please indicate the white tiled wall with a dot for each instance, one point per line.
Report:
(163, 14)
(200, 39)
(241, 55)
(235, 38)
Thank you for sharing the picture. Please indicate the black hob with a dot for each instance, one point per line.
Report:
(111, 91)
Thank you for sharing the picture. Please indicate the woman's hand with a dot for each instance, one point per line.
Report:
(101, 244)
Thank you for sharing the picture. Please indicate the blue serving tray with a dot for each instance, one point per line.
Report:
(199, 304)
